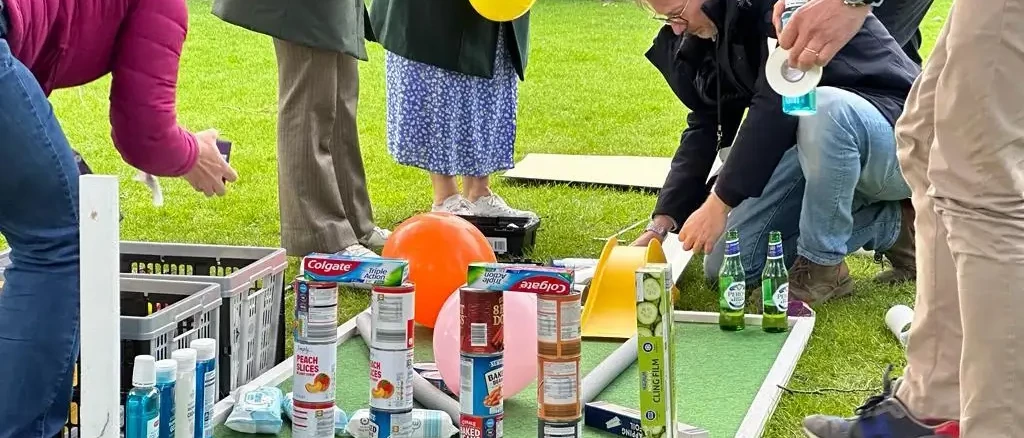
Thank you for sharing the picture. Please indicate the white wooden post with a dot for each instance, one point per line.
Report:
(100, 366)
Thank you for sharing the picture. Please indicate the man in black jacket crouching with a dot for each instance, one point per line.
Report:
(829, 182)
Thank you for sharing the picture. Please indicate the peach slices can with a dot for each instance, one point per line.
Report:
(314, 388)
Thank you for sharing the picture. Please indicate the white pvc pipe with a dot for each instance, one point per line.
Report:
(100, 370)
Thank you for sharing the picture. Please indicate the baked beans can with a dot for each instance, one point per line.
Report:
(571, 428)
(473, 426)
(316, 309)
(482, 314)
(558, 388)
(312, 420)
(315, 368)
(390, 424)
(392, 310)
(435, 379)
(558, 325)
(391, 379)
(480, 385)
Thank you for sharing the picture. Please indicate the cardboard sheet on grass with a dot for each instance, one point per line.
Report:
(623, 171)
(726, 380)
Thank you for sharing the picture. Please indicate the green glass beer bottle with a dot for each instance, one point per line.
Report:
(732, 286)
(774, 288)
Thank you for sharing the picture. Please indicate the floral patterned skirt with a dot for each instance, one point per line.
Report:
(451, 123)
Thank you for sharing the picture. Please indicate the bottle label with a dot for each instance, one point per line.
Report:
(781, 297)
(209, 399)
(736, 295)
(775, 251)
(732, 247)
(153, 428)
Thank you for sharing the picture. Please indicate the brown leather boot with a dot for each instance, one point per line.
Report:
(902, 254)
(814, 284)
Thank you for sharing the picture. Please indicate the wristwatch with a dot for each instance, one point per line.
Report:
(859, 3)
(657, 229)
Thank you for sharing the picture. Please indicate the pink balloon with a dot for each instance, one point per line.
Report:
(520, 365)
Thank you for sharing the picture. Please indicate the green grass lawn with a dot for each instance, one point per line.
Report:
(589, 90)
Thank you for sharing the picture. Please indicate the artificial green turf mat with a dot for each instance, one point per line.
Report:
(718, 375)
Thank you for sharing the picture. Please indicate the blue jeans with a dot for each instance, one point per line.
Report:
(39, 305)
(837, 191)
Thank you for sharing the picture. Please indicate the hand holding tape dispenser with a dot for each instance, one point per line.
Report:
(795, 86)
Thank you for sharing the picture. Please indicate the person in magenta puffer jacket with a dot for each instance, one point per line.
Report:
(47, 45)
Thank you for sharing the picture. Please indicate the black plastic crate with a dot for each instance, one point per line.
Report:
(510, 237)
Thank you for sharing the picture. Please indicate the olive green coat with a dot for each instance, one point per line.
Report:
(337, 25)
(447, 33)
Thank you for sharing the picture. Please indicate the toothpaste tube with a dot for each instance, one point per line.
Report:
(625, 422)
(520, 278)
(355, 271)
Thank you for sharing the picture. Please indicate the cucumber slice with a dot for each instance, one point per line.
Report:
(644, 332)
(652, 289)
(654, 432)
(657, 328)
(646, 313)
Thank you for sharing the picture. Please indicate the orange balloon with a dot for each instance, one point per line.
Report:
(439, 248)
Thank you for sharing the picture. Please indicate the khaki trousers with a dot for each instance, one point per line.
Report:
(961, 148)
(324, 203)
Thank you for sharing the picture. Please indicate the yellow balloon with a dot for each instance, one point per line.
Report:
(502, 10)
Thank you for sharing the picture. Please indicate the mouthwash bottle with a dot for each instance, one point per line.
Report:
(185, 393)
(774, 288)
(166, 371)
(143, 402)
(732, 286)
(807, 104)
(206, 385)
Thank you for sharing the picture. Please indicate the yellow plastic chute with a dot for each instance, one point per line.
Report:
(610, 310)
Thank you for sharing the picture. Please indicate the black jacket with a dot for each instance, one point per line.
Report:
(449, 34)
(719, 80)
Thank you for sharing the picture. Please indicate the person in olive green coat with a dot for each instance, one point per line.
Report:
(452, 95)
(324, 202)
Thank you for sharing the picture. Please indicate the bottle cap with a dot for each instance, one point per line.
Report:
(206, 348)
(144, 373)
(186, 359)
(166, 370)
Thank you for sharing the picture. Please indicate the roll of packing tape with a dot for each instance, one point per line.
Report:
(788, 81)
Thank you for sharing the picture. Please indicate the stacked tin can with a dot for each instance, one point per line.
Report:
(316, 336)
(391, 360)
(482, 347)
(559, 344)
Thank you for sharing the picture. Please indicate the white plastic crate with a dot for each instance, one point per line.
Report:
(252, 284)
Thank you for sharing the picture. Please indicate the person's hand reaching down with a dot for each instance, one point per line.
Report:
(211, 171)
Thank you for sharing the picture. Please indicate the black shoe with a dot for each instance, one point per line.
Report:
(882, 416)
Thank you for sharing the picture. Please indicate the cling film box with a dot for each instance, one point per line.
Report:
(354, 271)
(654, 326)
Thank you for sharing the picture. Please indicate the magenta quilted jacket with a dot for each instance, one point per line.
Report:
(67, 43)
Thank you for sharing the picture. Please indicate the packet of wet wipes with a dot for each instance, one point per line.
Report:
(426, 423)
(257, 410)
(340, 417)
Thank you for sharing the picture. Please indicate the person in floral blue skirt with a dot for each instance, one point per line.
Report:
(452, 93)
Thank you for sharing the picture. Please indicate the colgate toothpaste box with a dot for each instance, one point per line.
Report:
(362, 272)
(520, 278)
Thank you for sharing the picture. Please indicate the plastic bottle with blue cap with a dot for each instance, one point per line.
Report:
(796, 87)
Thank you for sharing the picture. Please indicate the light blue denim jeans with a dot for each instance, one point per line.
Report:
(39, 304)
(837, 191)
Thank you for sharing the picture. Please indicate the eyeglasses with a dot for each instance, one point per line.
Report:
(675, 18)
